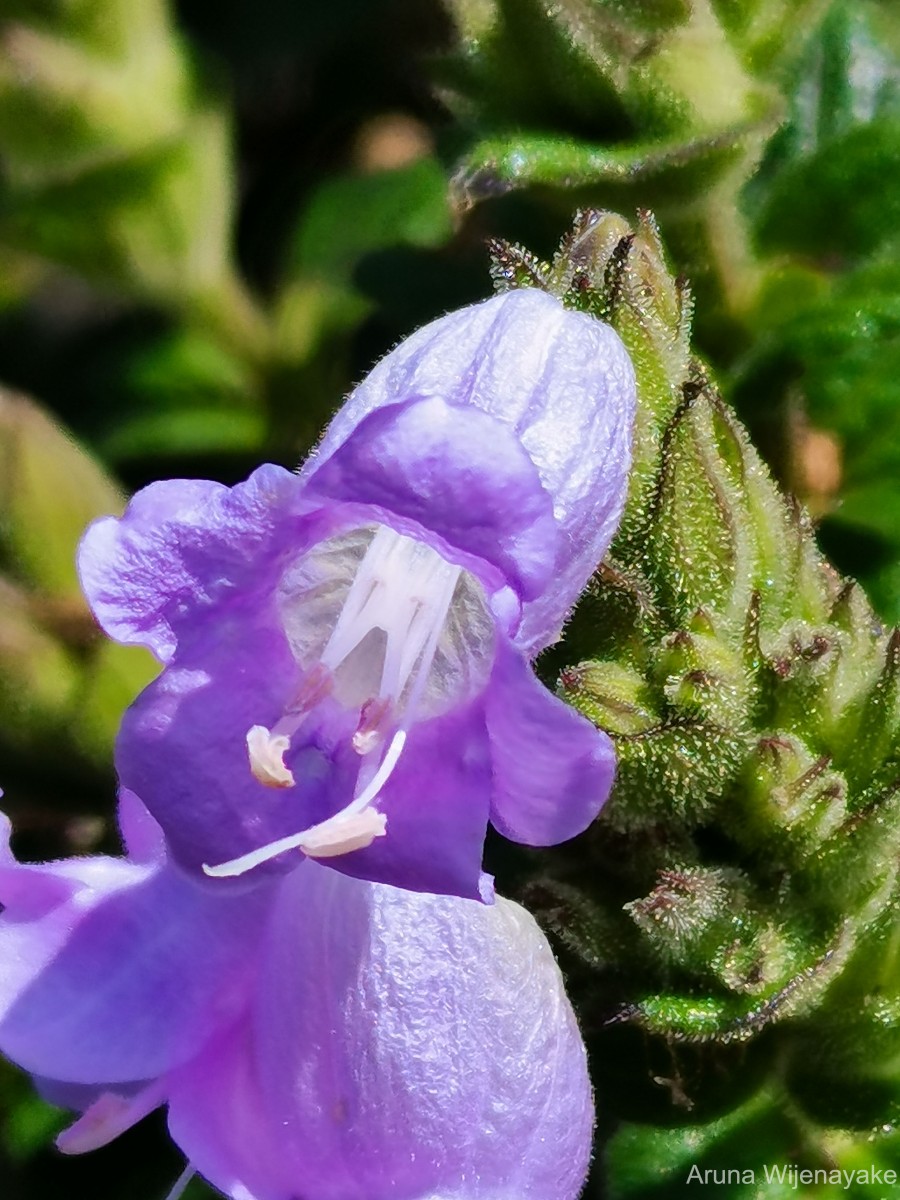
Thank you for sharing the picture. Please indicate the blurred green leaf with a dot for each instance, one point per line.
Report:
(117, 164)
(349, 220)
(57, 678)
(95, 81)
(39, 676)
(844, 350)
(830, 182)
(183, 394)
(50, 489)
(110, 680)
(155, 222)
(647, 1163)
(110, 28)
(196, 431)
(875, 507)
(758, 1152)
(884, 588)
(28, 1123)
(842, 199)
(836, 352)
(351, 215)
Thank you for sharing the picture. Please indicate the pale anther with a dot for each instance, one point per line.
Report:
(374, 719)
(342, 834)
(266, 752)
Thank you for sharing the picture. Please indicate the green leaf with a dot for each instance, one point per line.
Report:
(201, 431)
(842, 199)
(752, 1153)
(874, 507)
(50, 489)
(113, 84)
(39, 676)
(111, 678)
(29, 1124)
(884, 588)
(183, 394)
(353, 215)
(839, 352)
(831, 179)
(656, 172)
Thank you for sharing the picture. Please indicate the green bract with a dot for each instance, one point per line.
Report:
(730, 922)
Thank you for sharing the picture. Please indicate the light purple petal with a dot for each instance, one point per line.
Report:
(499, 436)
(404, 1047)
(562, 381)
(183, 546)
(183, 748)
(219, 1118)
(141, 834)
(124, 975)
(79, 1096)
(109, 1115)
(451, 471)
(553, 769)
(30, 891)
(436, 804)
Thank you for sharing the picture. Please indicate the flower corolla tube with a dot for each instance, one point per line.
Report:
(316, 1036)
(347, 649)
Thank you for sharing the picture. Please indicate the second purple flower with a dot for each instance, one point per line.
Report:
(347, 649)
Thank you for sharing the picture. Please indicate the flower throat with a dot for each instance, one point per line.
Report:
(386, 626)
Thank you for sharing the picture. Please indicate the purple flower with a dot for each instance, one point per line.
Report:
(314, 1036)
(347, 649)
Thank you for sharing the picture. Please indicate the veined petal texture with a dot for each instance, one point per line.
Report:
(400, 1046)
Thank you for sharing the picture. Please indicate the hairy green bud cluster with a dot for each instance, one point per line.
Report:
(729, 923)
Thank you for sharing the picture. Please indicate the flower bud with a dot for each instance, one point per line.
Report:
(614, 697)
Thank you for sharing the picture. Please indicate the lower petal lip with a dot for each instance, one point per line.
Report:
(383, 1021)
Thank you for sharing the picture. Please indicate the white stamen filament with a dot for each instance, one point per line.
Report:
(181, 1183)
(439, 616)
(337, 835)
(401, 587)
(382, 775)
(353, 828)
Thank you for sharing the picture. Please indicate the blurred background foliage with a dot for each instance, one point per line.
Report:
(215, 217)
